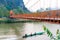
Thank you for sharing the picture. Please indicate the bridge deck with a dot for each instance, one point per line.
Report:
(53, 15)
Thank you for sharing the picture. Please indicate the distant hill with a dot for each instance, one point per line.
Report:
(13, 4)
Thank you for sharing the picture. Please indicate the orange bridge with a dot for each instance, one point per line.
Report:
(46, 16)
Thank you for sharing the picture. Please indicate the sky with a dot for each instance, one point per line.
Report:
(34, 5)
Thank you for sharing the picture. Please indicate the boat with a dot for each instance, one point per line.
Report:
(30, 35)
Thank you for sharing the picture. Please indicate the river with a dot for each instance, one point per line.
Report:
(15, 31)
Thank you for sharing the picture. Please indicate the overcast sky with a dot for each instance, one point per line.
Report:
(41, 4)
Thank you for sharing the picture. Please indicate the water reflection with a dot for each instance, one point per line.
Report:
(15, 31)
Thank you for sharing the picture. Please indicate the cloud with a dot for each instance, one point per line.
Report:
(41, 4)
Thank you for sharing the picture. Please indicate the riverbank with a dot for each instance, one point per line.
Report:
(8, 20)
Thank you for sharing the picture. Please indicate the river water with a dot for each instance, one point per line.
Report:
(15, 31)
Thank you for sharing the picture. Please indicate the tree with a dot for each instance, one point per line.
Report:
(18, 10)
(40, 10)
(3, 11)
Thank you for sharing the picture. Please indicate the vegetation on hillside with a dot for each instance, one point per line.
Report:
(19, 10)
(4, 12)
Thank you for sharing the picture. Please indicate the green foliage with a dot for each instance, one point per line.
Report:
(47, 31)
(44, 28)
(58, 34)
(18, 10)
(3, 11)
(50, 34)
